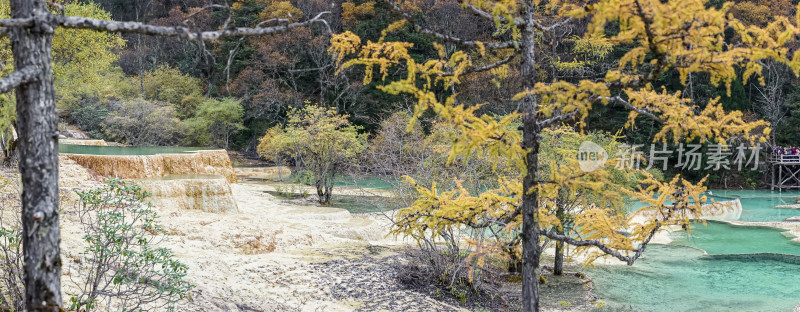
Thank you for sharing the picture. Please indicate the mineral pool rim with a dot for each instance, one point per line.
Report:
(126, 150)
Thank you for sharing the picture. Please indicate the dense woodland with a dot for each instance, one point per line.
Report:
(144, 90)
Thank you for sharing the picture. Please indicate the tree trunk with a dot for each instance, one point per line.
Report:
(320, 191)
(530, 200)
(530, 210)
(328, 193)
(558, 264)
(38, 160)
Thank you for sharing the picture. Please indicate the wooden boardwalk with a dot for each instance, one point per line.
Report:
(785, 171)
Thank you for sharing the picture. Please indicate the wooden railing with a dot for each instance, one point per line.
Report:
(785, 159)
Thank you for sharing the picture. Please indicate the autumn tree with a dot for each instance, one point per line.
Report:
(216, 121)
(559, 146)
(167, 84)
(320, 140)
(30, 28)
(770, 96)
(684, 36)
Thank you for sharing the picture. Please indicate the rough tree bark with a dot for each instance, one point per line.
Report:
(558, 262)
(38, 158)
(530, 201)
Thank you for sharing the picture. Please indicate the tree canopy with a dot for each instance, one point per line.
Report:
(686, 36)
(319, 140)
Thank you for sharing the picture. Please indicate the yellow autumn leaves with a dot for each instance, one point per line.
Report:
(686, 36)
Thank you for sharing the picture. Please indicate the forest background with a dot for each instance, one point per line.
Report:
(141, 90)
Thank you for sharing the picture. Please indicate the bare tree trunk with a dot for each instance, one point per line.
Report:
(558, 262)
(328, 193)
(530, 199)
(558, 265)
(38, 159)
(320, 185)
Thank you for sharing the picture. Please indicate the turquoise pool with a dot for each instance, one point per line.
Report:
(759, 205)
(124, 150)
(674, 278)
(364, 182)
(681, 277)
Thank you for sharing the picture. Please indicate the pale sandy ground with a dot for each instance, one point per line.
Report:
(278, 256)
(273, 255)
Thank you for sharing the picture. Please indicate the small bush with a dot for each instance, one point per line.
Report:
(122, 266)
(12, 289)
(304, 177)
(170, 85)
(290, 191)
(142, 122)
(215, 122)
(11, 283)
(90, 116)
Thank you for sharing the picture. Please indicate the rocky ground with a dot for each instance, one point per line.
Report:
(277, 255)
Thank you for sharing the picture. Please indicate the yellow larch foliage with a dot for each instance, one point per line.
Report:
(282, 10)
(350, 11)
(683, 35)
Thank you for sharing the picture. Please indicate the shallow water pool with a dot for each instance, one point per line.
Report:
(722, 238)
(124, 150)
(675, 278)
(759, 205)
(680, 277)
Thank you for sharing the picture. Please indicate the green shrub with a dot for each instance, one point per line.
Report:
(11, 284)
(215, 122)
(122, 265)
(142, 122)
(170, 85)
(90, 116)
(305, 177)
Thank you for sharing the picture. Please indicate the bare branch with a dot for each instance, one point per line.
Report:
(605, 249)
(176, 31)
(634, 108)
(492, 45)
(210, 6)
(486, 15)
(541, 27)
(486, 67)
(492, 65)
(557, 118)
(16, 22)
(277, 20)
(17, 78)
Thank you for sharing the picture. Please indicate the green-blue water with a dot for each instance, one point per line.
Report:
(759, 205)
(722, 238)
(124, 150)
(672, 278)
(364, 182)
(679, 277)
